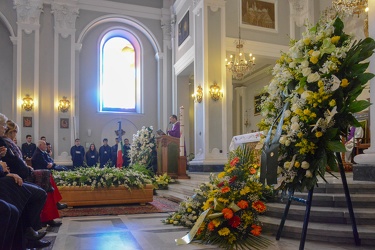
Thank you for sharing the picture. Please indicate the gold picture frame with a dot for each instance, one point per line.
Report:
(259, 15)
(64, 123)
(27, 121)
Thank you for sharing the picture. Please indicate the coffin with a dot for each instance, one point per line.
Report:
(85, 196)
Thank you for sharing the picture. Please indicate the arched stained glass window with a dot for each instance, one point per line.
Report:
(118, 75)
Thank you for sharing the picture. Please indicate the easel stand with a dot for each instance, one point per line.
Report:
(308, 208)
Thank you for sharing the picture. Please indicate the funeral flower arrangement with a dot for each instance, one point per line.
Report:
(143, 146)
(162, 181)
(232, 200)
(96, 177)
(320, 77)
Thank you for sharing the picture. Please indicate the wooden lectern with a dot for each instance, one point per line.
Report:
(168, 157)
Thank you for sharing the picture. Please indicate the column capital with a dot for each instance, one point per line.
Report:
(299, 11)
(28, 14)
(65, 14)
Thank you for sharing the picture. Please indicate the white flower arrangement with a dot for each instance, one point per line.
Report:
(101, 177)
(320, 77)
(143, 146)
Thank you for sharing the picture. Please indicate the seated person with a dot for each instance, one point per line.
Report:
(42, 160)
(9, 216)
(28, 200)
(42, 178)
(355, 134)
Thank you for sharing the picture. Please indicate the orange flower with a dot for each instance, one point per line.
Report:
(253, 170)
(234, 161)
(256, 230)
(259, 206)
(243, 204)
(225, 190)
(211, 226)
(228, 213)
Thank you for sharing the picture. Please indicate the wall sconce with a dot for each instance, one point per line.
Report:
(198, 95)
(215, 92)
(27, 103)
(64, 105)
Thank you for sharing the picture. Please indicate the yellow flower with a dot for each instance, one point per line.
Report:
(222, 200)
(332, 103)
(306, 41)
(207, 204)
(189, 210)
(245, 190)
(318, 134)
(306, 112)
(297, 164)
(314, 60)
(344, 83)
(224, 231)
(216, 222)
(221, 175)
(335, 39)
(320, 84)
(310, 52)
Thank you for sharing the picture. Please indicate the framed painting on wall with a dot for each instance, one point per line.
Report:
(183, 29)
(259, 15)
(27, 122)
(64, 122)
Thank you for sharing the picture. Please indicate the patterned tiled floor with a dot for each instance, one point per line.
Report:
(144, 232)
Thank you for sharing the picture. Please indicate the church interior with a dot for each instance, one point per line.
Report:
(59, 80)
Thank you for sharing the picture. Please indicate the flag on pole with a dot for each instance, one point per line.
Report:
(119, 155)
(119, 147)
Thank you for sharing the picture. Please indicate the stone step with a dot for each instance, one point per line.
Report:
(327, 232)
(337, 215)
(336, 200)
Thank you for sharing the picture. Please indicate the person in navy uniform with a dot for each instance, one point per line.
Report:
(28, 148)
(92, 156)
(114, 149)
(125, 153)
(104, 153)
(78, 154)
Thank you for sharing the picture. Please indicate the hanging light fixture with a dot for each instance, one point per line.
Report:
(351, 7)
(240, 63)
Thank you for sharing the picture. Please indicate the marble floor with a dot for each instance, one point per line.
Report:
(145, 232)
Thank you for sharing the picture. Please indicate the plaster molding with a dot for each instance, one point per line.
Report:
(28, 14)
(65, 15)
(215, 5)
(299, 11)
(120, 8)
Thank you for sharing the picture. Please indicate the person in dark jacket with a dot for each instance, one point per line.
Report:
(28, 148)
(104, 153)
(78, 154)
(92, 156)
(125, 153)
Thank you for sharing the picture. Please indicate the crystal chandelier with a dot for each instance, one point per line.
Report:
(350, 7)
(240, 64)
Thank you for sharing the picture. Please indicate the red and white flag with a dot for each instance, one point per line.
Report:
(119, 155)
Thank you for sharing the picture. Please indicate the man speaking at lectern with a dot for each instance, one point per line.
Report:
(175, 130)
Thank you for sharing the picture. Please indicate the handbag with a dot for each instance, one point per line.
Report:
(270, 152)
(41, 178)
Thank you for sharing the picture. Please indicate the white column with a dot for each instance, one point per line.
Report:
(369, 155)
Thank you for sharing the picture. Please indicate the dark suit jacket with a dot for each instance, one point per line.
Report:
(28, 150)
(41, 159)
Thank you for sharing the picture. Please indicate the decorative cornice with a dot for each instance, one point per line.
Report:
(299, 11)
(65, 14)
(28, 14)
